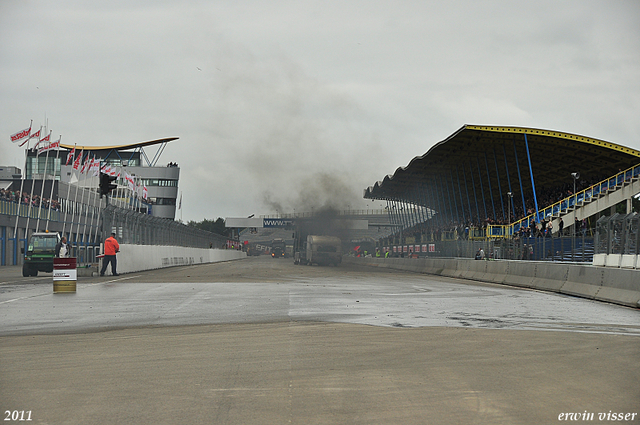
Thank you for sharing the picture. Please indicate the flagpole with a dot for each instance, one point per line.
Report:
(75, 198)
(120, 190)
(66, 210)
(24, 172)
(106, 201)
(89, 205)
(32, 186)
(44, 178)
(95, 236)
(53, 182)
(95, 198)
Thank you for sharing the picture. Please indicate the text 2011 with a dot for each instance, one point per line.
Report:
(17, 415)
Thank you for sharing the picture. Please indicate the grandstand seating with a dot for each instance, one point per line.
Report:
(585, 203)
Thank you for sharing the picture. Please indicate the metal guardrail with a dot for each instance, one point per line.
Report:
(22, 210)
(574, 249)
(618, 234)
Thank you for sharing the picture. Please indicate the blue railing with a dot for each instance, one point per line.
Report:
(563, 206)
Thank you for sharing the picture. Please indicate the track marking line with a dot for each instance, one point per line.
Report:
(23, 298)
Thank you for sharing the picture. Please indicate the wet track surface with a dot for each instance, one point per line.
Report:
(261, 341)
(260, 290)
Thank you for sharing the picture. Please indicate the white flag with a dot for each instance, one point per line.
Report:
(21, 135)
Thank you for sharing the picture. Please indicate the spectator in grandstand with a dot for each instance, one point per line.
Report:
(560, 226)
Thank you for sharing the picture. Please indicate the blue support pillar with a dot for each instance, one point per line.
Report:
(495, 160)
(506, 164)
(453, 190)
(484, 203)
(533, 184)
(493, 206)
(431, 201)
(423, 213)
(475, 197)
(414, 212)
(441, 208)
(448, 192)
(524, 205)
(461, 199)
(426, 208)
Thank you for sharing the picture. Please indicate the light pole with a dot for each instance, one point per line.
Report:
(575, 176)
(509, 196)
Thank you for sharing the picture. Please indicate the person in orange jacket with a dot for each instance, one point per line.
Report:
(111, 247)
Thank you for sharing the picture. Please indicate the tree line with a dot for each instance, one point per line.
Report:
(214, 226)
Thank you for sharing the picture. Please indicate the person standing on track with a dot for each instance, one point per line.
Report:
(111, 247)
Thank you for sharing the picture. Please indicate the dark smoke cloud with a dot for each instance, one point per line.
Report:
(317, 193)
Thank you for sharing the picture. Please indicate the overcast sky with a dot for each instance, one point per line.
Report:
(283, 105)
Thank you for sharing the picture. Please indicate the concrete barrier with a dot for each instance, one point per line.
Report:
(450, 267)
(550, 276)
(583, 281)
(521, 274)
(134, 258)
(599, 259)
(496, 271)
(628, 261)
(613, 260)
(620, 286)
(610, 284)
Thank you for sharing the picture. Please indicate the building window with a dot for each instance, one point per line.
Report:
(162, 201)
(160, 182)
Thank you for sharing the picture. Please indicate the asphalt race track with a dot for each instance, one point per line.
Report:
(261, 341)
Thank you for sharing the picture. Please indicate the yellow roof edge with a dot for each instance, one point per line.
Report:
(127, 146)
(558, 134)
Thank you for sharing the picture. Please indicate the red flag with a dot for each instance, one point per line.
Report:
(71, 155)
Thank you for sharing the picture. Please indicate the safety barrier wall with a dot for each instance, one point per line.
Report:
(615, 285)
(135, 258)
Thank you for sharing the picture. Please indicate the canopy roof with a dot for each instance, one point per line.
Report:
(487, 160)
(120, 147)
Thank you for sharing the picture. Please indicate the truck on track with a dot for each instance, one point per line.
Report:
(278, 248)
(41, 250)
(320, 250)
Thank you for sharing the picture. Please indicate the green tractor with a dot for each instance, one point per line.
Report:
(40, 253)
